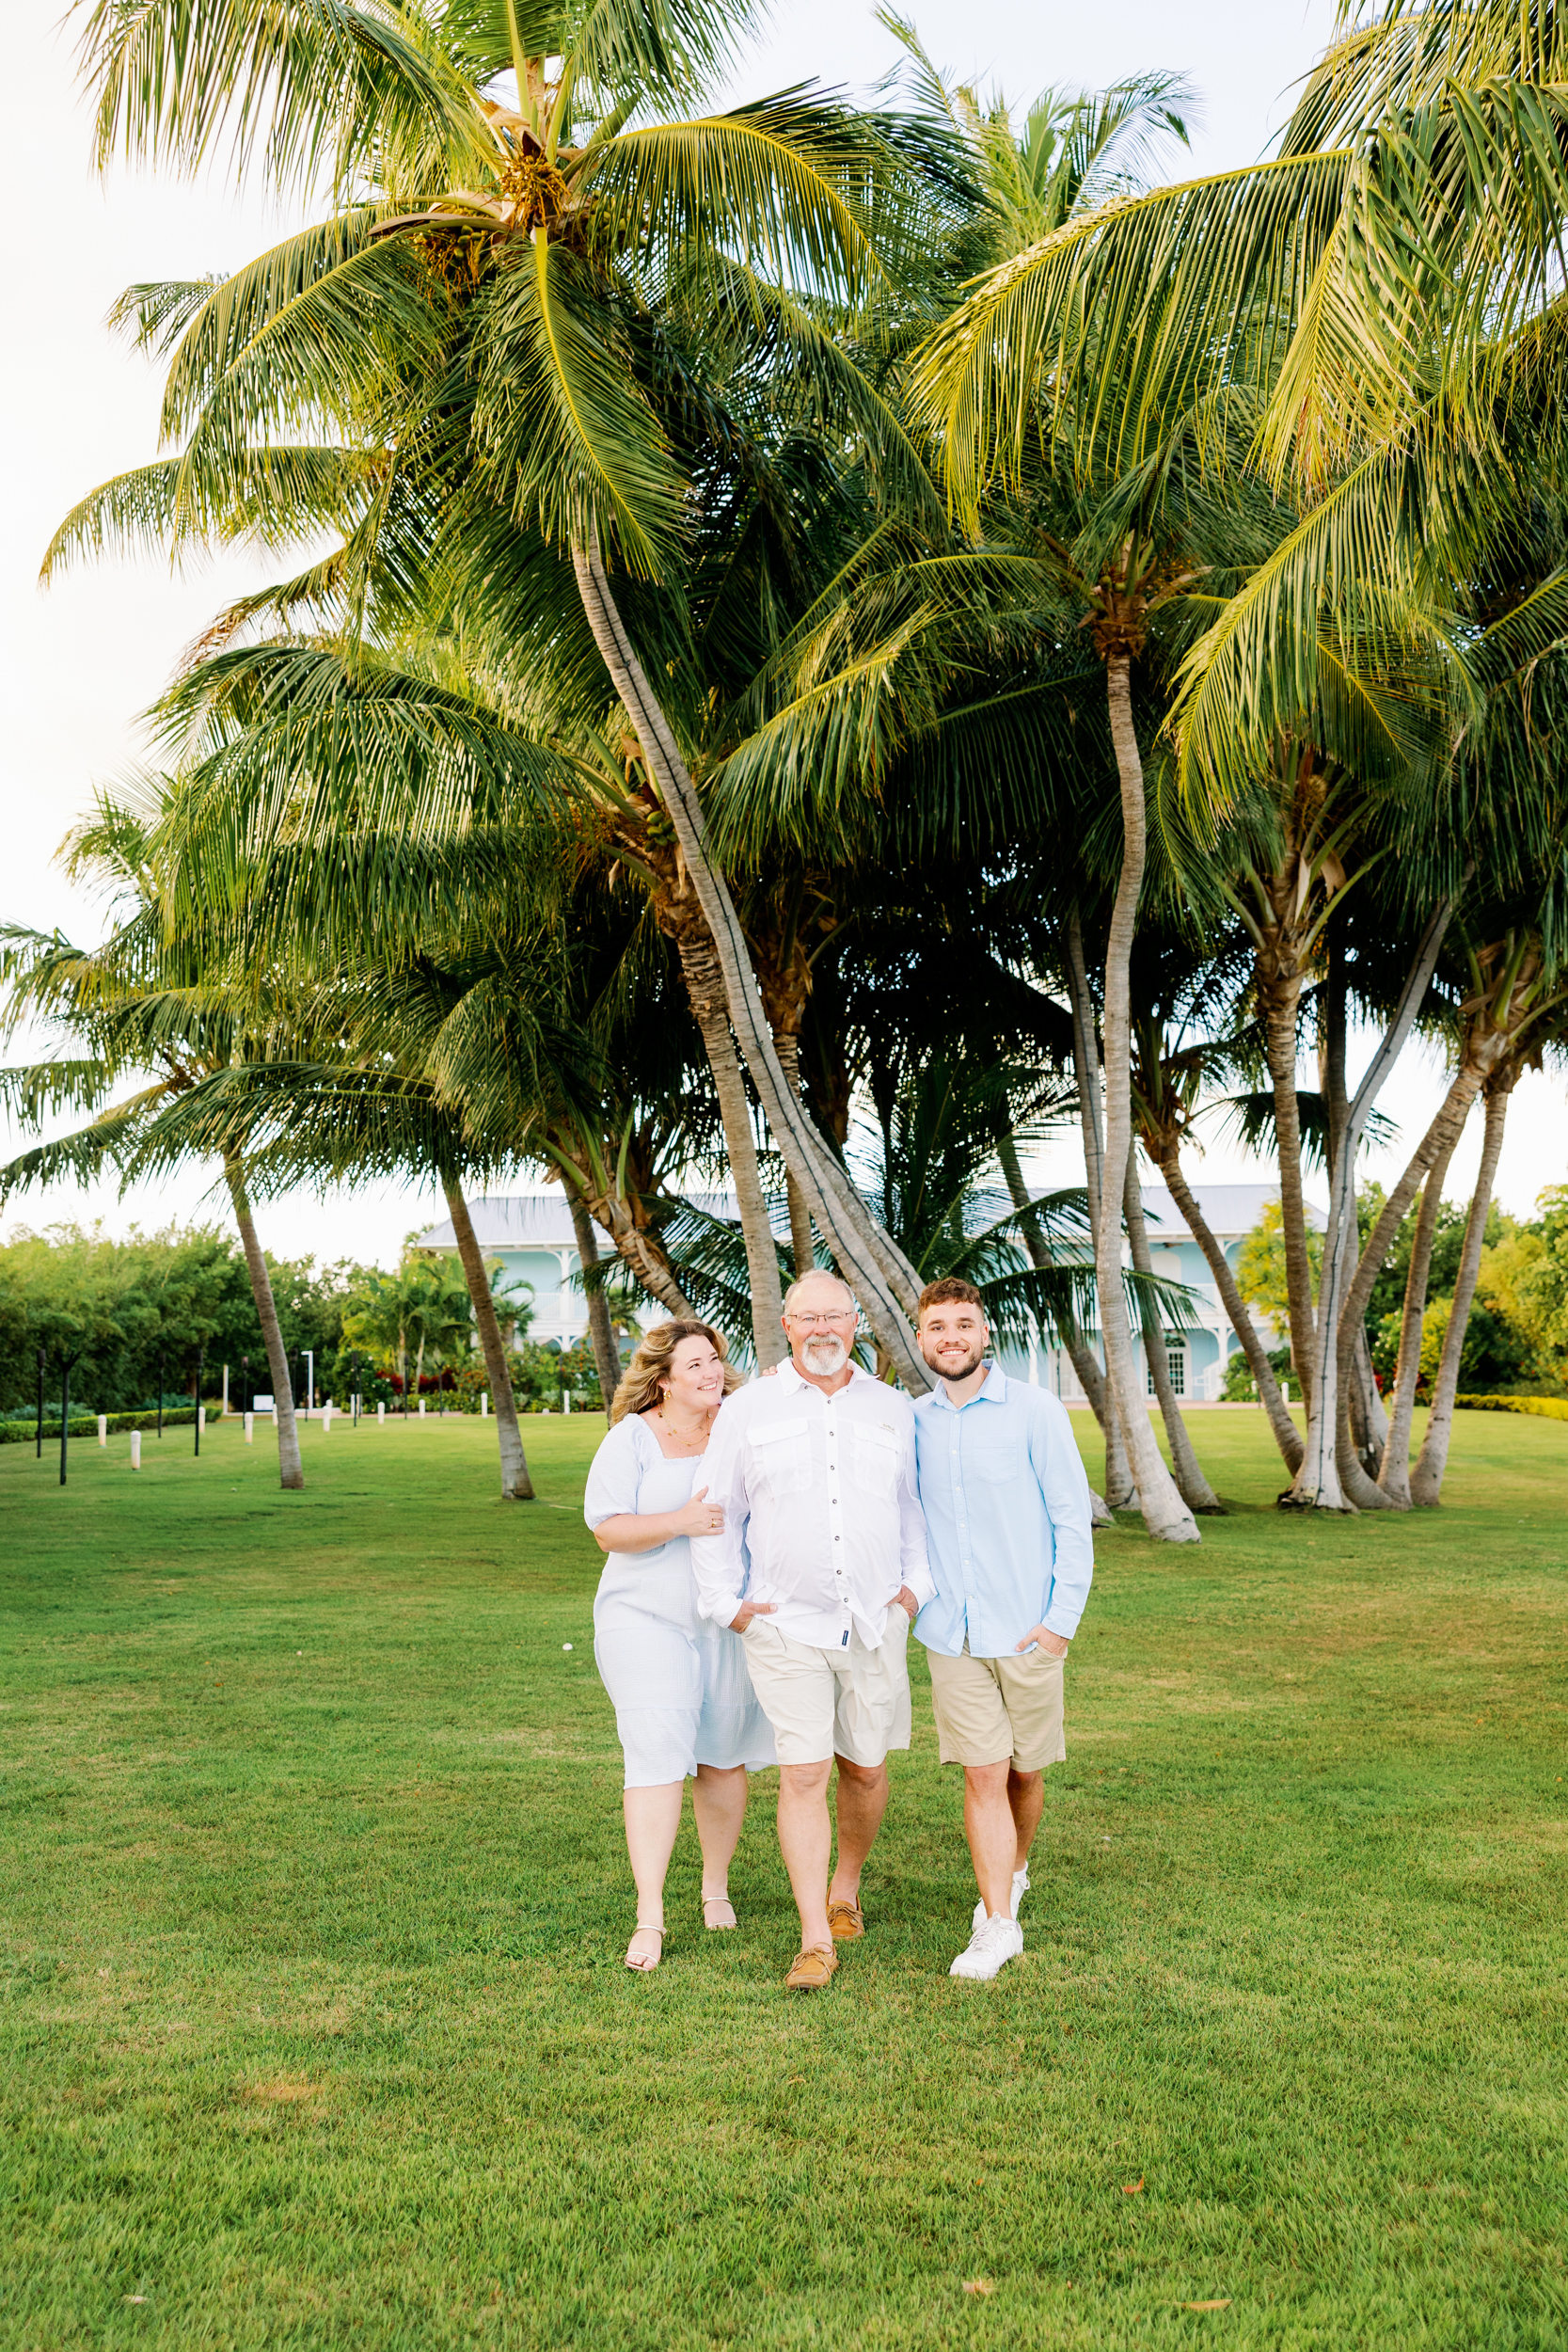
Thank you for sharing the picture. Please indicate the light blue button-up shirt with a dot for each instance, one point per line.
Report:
(1007, 1517)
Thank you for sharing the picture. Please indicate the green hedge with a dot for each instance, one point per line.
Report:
(1549, 1407)
(85, 1425)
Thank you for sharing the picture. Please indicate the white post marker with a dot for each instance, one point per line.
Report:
(326, 1419)
(484, 1406)
(381, 1414)
(421, 1408)
(250, 1428)
(226, 1391)
(102, 1428)
(135, 1449)
(565, 1400)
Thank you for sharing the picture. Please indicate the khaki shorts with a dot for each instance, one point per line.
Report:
(822, 1703)
(994, 1710)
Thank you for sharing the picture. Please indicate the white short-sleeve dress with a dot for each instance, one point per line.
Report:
(679, 1684)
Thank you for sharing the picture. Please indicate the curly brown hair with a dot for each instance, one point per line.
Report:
(642, 1383)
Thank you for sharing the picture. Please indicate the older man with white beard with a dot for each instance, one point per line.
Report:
(820, 1566)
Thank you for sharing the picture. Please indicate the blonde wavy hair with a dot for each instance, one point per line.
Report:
(642, 1383)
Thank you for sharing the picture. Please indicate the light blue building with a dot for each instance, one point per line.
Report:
(532, 1236)
(1198, 1353)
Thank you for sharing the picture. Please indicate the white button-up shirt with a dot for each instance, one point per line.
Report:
(820, 1512)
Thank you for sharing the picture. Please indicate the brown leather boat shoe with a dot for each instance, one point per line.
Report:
(847, 1920)
(812, 1969)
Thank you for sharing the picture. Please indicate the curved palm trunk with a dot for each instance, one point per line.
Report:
(1318, 1484)
(1165, 1515)
(879, 1273)
(1394, 1475)
(640, 1252)
(705, 985)
(801, 1241)
(1426, 1483)
(1286, 1434)
(1121, 1493)
(517, 1486)
(1196, 1491)
(289, 1472)
(607, 1355)
(1085, 1362)
(1436, 1145)
(1282, 998)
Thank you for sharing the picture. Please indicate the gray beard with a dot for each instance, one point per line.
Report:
(835, 1351)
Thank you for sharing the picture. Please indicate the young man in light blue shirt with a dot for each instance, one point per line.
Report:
(1008, 1532)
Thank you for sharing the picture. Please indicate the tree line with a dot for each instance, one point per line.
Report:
(846, 636)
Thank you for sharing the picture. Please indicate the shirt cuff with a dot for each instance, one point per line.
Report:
(723, 1608)
(1061, 1621)
(922, 1583)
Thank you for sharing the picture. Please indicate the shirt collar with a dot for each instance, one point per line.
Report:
(994, 1391)
(790, 1377)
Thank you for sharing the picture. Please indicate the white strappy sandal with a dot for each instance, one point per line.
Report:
(717, 1926)
(640, 1965)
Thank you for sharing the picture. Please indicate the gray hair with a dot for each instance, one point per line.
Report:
(819, 1274)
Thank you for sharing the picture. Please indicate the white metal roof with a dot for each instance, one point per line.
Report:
(540, 1221)
(1228, 1210)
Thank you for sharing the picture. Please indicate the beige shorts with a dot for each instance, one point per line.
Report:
(994, 1710)
(821, 1703)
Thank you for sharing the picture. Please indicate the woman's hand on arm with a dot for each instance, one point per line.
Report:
(645, 1531)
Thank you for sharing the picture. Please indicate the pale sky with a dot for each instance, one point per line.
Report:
(82, 659)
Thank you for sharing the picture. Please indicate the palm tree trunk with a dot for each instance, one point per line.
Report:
(607, 1355)
(1435, 1147)
(1334, 1043)
(640, 1252)
(879, 1273)
(1286, 1434)
(1085, 1362)
(801, 1241)
(1394, 1473)
(1318, 1483)
(1282, 1000)
(1121, 1493)
(290, 1471)
(1165, 1515)
(1197, 1493)
(517, 1486)
(1368, 1418)
(705, 985)
(1426, 1484)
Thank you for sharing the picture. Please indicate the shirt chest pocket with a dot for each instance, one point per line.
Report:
(876, 1456)
(781, 1455)
(991, 1461)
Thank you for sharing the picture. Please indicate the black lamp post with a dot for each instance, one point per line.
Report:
(66, 1363)
(245, 1383)
(41, 1405)
(200, 1360)
(160, 1392)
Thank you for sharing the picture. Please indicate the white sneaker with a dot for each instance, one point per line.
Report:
(991, 1945)
(1020, 1888)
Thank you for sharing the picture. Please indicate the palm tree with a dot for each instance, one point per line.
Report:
(144, 1007)
(539, 250)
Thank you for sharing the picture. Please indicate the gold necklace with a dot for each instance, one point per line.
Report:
(683, 1437)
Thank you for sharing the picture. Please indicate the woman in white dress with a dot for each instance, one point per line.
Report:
(680, 1686)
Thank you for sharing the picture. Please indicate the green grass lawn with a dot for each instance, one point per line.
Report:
(316, 2031)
